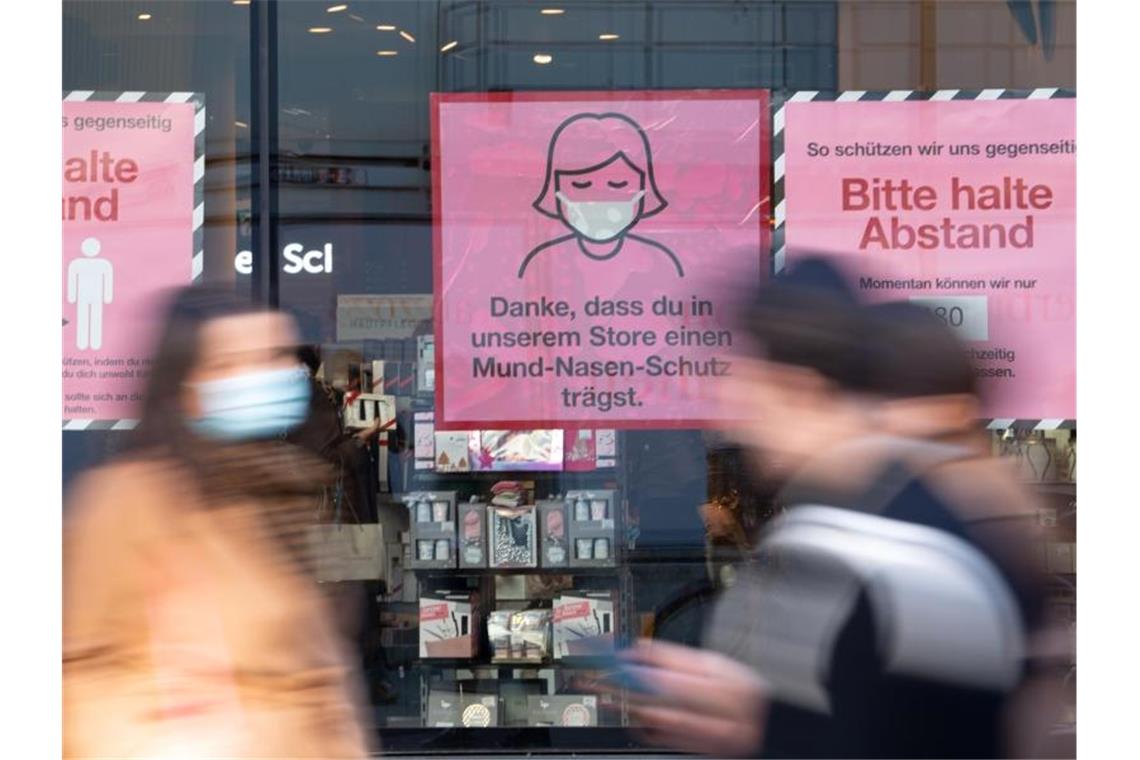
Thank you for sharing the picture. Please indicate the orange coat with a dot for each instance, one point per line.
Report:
(188, 633)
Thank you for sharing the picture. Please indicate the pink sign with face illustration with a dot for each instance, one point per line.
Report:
(586, 246)
(965, 207)
(128, 211)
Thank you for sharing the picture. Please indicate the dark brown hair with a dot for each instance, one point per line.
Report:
(281, 479)
(918, 355)
(176, 354)
(809, 317)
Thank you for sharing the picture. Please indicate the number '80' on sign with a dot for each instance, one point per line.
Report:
(968, 315)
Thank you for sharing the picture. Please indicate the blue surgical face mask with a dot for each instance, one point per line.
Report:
(253, 405)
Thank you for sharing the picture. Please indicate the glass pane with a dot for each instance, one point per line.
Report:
(437, 199)
(356, 191)
(360, 229)
(132, 59)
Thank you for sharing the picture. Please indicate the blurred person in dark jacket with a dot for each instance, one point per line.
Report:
(929, 391)
(892, 611)
(350, 498)
(192, 624)
(352, 495)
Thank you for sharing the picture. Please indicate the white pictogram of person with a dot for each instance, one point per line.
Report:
(89, 287)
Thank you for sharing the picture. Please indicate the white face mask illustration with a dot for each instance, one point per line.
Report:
(601, 220)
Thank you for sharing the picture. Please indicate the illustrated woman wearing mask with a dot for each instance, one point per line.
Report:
(192, 627)
(600, 183)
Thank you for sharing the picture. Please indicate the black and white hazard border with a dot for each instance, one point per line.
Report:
(197, 252)
(779, 205)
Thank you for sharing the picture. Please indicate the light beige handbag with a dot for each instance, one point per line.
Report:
(347, 551)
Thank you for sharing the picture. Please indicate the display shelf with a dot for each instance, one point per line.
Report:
(577, 663)
(607, 472)
(489, 671)
(521, 739)
(502, 588)
(489, 474)
(492, 571)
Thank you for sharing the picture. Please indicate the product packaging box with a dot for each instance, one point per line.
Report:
(553, 533)
(605, 448)
(450, 709)
(423, 432)
(592, 518)
(580, 451)
(448, 627)
(425, 364)
(583, 624)
(453, 451)
(431, 516)
(513, 536)
(517, 450)
(563, 710)
(519, 636)
(473, 535)
(367, 408)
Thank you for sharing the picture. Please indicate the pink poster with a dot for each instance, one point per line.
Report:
(967, 207)
(128, 221)
(583, 247)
